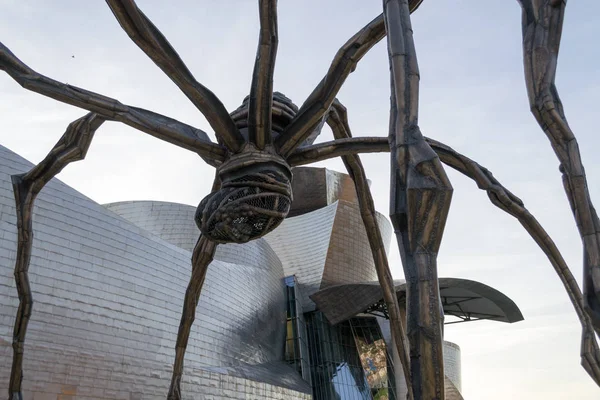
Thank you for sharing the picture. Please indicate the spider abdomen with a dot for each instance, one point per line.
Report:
(252, 201)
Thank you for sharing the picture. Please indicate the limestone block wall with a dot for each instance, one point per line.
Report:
(108, 297)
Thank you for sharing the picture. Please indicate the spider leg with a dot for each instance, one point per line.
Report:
(201, 257)
(159, 126)
(72, 146)
(261, 90)
(317, 104)
(542, 28)
(337, 148)
(152, 42)
(343, 64)
(501, 198)
(419, 205)
(508, 202)
(338, 122)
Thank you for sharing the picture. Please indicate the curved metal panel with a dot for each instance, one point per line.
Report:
(175, 224)
(170, 221)
(341, 302)
(107, 301)
(350, 258)
(290, 241)
(326, 220)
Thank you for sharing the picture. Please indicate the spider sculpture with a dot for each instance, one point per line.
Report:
(259, 143)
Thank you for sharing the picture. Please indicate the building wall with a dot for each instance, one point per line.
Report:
(175, 224)
(108, 285)
(107, 302)
(452, 364)
(170, 221)
(349, 257)
(302, 243)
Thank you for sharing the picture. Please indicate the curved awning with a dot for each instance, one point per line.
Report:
(462, 298)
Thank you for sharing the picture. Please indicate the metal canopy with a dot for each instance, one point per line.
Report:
(465, 299)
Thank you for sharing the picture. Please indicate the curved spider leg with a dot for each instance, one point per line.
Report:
(338, 121)
(318, 102)
(203, 254)
(419, 205)
(157, 125)
(72, 146)
(542, 28)
(501, 198)
(508, 202)
(261, 91)
(152, 42)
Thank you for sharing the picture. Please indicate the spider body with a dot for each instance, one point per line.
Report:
(254, 197)
(283, 111)
(255, 191)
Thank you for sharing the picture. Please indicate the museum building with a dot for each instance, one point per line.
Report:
(297, 314)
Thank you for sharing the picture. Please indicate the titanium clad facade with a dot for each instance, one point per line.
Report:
(291, 239)
(326, 220)
(107, 302)
(171, 222)
(349, 257)
(108, 285)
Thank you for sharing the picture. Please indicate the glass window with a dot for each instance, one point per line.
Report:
(296, 347)
(349, 361)
(374, 357)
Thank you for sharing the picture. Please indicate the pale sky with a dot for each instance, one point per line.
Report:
(472, 98)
